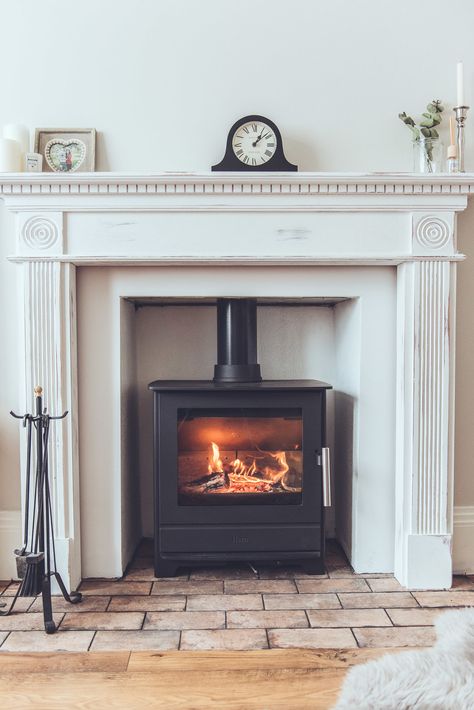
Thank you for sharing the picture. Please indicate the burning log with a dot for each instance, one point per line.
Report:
(210, 482)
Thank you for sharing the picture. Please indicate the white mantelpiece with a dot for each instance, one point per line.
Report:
(285, 220)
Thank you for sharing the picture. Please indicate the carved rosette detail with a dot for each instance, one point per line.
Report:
(433, 232)
(40, 233)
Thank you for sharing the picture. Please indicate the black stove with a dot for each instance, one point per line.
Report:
(239, 461)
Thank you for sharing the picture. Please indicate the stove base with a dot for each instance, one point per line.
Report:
(168, 565)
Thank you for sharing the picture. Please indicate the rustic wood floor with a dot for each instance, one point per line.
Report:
(184, 680)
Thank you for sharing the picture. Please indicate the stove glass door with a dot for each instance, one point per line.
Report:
(240, 456)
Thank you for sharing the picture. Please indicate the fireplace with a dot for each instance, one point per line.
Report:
(239, 460)
(89, 246)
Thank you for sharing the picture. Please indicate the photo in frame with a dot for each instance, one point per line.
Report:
(66, 150)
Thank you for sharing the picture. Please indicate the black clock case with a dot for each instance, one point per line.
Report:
(277, 162)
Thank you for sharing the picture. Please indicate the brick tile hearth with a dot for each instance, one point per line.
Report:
(233, 609)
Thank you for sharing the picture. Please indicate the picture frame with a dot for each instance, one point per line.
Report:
(66, 149)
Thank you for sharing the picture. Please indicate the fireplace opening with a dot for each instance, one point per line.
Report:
(240, 456)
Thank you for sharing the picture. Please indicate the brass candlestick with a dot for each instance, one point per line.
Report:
(461, 115)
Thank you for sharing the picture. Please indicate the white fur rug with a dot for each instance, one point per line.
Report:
(439, 678)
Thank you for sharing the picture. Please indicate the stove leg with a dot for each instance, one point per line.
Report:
(313, 567)
(165, 568)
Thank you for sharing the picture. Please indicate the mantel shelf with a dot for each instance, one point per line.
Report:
(232, 182)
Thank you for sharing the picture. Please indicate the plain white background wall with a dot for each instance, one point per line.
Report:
(163, 80)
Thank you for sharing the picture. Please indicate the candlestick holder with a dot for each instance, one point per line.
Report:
(461, 115)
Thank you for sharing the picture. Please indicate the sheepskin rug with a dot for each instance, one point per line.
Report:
(439, 678)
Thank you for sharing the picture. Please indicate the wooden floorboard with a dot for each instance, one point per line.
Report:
(195, 680)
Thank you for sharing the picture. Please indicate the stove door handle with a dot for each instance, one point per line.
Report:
(326, 466)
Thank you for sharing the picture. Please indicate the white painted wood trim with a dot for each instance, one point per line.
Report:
(234, 182)
(10, 539)
(48, 315)
(426, 302)
(463, 543)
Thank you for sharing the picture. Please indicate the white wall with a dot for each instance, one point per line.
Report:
(163, 80)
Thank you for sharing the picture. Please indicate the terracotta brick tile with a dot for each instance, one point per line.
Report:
(222, 573)
(88, 603)
(377, 600)
(332, 585)
(171, 586)
(461, 598)
(260, 586)
(396, 636)
(185, 620)
(19, 621)
(311, 638)
(224, 602)
(266, 619)
(341, 572)
(346, 618)
(148, 603)
(38, 641)
(413, 617)
(301, 601)
(108, 620)
(22, 604)
(287, 573)
(135, 641)
(385, 584)
(143, 572)
(109, 587)
(224, 640)
(463, 582)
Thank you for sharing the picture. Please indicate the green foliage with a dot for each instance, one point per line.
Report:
(427, 127)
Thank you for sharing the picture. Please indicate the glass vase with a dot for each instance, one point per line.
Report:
(428, 155)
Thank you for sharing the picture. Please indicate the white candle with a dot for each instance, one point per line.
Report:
(17, 132)
(460, 83)
(10, 156)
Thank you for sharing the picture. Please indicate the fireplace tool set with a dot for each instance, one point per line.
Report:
(36, 559)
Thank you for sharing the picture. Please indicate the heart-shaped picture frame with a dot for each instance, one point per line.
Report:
(65, 156)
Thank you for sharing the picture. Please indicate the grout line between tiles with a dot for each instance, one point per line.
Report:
(355, 637)
(92, 641)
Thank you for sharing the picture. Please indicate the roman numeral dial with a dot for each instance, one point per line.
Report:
(254, 143)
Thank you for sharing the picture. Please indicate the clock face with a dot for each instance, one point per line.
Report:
(254, 143)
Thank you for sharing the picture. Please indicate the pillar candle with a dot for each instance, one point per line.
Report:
(10, 156)
(17, 132)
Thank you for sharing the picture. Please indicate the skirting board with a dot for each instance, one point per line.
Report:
(463, 540)
(10, 538)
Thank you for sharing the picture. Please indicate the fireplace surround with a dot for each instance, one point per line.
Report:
(325, 222)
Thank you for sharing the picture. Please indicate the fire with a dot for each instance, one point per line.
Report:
(216, 464)
(244, 477)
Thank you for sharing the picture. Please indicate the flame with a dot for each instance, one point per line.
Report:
(241, 474)
(216, 464)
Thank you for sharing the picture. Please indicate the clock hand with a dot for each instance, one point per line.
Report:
(258, 139)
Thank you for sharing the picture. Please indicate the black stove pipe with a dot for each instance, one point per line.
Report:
(237, 341)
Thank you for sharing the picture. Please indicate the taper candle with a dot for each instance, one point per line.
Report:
(460, 83)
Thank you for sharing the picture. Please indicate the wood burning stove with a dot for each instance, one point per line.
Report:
(239, 461)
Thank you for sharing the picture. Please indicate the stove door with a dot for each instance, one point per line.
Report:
(239, 457)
